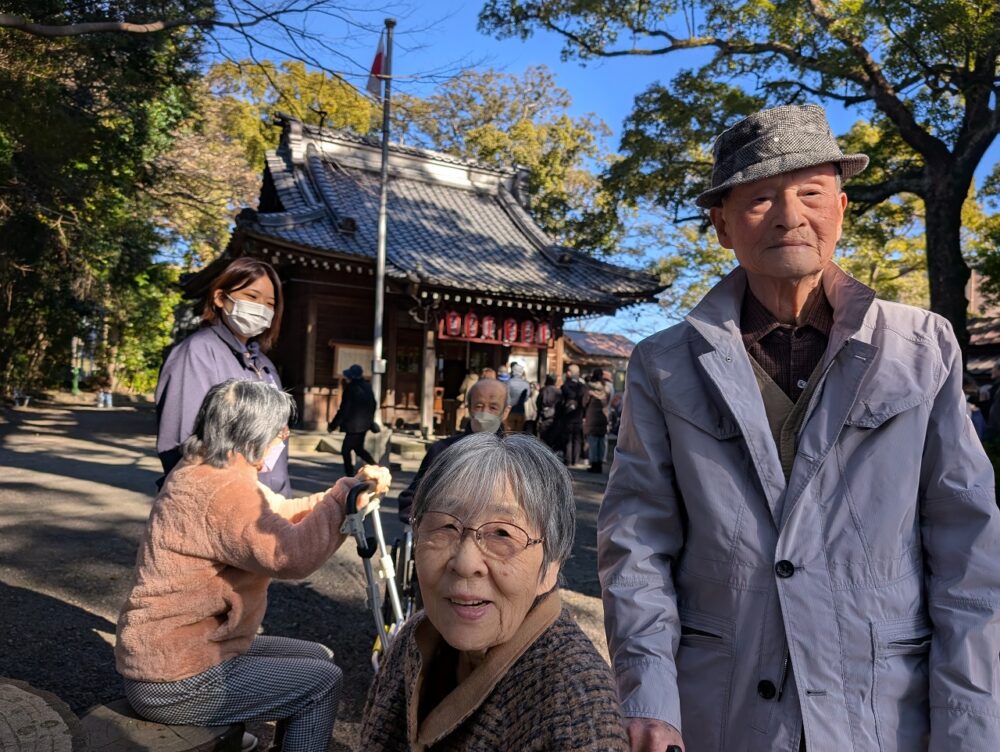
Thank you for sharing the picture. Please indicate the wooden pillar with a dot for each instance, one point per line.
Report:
(427, 381)
(560, 356)
(543, 364)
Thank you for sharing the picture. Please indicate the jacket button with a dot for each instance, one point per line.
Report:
(784, 568)
(766, 689)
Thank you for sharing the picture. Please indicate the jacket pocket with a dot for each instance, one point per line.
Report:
(900, 685)
(704, 677)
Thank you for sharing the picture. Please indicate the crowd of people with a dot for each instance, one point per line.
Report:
(797, 546)
(573, 418)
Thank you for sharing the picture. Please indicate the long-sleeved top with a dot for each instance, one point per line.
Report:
(545, 690)
(208, 357)
(214, 539)
(357, 408)
(855, 600)
(571, 405)
(595, 404)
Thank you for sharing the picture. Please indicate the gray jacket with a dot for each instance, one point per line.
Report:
(206, 358)
(876, 567)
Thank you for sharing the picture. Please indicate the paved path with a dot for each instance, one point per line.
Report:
(75, 488)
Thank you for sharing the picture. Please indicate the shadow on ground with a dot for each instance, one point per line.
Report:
(57, 647)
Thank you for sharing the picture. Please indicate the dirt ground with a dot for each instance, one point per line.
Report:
(76, 483)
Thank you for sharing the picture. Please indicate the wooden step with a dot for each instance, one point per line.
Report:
(117, 728)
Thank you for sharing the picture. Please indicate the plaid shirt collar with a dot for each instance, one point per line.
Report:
(756, 322)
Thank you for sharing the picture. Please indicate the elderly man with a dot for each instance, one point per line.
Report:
(487, 403)
(799, 545)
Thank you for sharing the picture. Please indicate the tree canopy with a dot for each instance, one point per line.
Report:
(510, 121)
(81, 125)
(925, 73)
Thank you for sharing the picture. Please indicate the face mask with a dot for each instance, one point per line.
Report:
(272, 456)
(248, 319)
(485, 422)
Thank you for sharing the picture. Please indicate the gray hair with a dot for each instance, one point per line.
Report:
(238, 416)
(468, 476)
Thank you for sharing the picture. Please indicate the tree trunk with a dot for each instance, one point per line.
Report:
(947, 271)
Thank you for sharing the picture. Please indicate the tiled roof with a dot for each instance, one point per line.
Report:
(984, 332)
(452, 224)
(601, 344)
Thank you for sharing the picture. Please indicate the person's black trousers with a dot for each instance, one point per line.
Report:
(574, 442)
(354, 442)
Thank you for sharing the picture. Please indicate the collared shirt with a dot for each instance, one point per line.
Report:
(788, 353)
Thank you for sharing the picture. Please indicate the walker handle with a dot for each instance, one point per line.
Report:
(354, 495)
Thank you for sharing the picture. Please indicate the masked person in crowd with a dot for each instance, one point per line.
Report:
(240, 322)
(356, 417)
(799, 542)
(188, 647)
(487, 400)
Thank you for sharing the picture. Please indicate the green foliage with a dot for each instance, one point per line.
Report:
(142, 325)
(248, 93)
(925, 74)
(81, 124)
(508, 121)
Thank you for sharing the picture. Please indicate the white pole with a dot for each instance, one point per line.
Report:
(378, 362)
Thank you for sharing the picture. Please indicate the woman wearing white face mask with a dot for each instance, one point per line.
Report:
(187, 647)
(240, 322)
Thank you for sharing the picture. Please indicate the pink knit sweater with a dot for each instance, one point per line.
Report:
(214, 539)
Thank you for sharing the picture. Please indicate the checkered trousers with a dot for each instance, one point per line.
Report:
(279, 678)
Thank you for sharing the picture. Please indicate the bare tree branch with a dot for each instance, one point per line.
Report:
(875, 193)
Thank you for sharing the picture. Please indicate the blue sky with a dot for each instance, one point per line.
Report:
(436, 36)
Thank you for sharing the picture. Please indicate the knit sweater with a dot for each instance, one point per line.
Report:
(214, 539)
(546, 689)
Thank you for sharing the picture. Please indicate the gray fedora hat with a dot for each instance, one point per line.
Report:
(770, 142)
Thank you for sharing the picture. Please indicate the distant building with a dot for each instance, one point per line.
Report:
(589, 350)
(471, 280)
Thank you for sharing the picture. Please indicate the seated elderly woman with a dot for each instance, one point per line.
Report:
(187, 645)
(493, 662)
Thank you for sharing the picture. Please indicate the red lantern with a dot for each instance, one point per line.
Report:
(454, 324)
(544, 332)
(510, 330)
(471, 325)
(489, 327)
(527, 331)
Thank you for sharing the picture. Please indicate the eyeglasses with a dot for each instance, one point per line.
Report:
(499, 540)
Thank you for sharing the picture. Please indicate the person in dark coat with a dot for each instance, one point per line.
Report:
(355, 418)
(595, 420)
(571, 415)
(548, 402)
(487, 400)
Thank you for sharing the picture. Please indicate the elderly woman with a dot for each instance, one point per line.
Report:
(187, 635)
(493, 662)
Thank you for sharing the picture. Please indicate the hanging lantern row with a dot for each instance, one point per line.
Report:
(510, 331)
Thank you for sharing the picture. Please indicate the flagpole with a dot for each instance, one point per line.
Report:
(378, 362)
